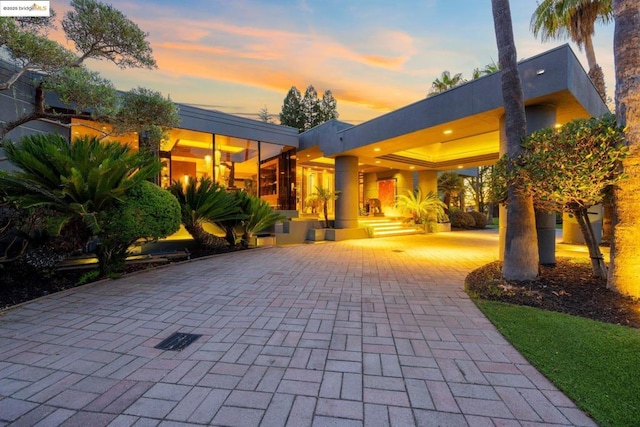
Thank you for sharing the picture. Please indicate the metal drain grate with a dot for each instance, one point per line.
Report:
(177, 341)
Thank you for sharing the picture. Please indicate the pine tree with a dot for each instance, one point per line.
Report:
(291, 110)
(328, 107)
(308, 111)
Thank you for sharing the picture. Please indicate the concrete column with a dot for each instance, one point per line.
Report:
(538, 117)
(428, 181)
(347, 184)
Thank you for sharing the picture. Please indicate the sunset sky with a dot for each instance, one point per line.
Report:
(238, 56)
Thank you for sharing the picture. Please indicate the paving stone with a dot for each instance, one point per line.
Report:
(345, 333)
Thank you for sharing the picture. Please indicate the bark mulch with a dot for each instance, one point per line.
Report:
(568, 287)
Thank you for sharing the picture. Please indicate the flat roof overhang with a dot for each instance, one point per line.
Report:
(459, 128)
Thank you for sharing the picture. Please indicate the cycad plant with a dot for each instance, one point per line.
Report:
(202, 201)
(76, 181)
(425, 209)
(260, 216)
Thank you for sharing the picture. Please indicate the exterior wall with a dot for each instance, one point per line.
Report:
(404, 182)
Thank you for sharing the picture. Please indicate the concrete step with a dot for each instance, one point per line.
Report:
(385, 227)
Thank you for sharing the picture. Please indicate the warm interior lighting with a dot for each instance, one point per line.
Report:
(412, 167)
(460, 166)
(185, 179)
(376, 149)
(231, 149)
(448, 132)
(207, 159)
(377, 162)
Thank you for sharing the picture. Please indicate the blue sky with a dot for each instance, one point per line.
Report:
(239, 56)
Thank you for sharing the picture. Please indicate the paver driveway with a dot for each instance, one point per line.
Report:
(371, 332)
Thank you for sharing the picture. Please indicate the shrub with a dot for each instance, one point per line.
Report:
(461, 219)
(75, 182)
(148, 212)
(480, 219)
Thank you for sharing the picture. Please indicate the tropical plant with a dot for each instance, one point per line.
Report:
(559, 19)
(426, 209)
(625, 253)
(488, 69)
(260, 216)
(450, 184)
(569, 169)
(325, 195)
(202, 201)
(520, 256)
(76, 181)
(445, 82)
(147, 212)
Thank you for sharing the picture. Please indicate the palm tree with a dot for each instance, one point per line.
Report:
(559, 19)
(325, 196)
(521, 248)
(426, 209)
(625, 252)
(488, 69)
(445, 82)
(450, 184)
(202, 201)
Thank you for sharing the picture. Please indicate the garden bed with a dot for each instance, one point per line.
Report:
(569, 288)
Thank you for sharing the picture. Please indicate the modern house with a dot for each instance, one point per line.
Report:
(378, 159)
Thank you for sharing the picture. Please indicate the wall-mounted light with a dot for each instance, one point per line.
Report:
(448, 132)
(540, 72)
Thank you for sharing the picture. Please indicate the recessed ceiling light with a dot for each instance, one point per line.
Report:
(448, 132)
(376, 149)
(460, 166)
(412, 167)
(377, 162)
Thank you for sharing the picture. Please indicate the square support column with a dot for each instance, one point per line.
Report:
(347, 184)
(428, 181)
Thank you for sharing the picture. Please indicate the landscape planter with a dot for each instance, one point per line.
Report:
(316, 234)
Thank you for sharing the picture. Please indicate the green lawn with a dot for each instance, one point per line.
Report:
(596, 364)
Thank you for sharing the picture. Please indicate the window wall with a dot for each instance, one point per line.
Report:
(258, 168)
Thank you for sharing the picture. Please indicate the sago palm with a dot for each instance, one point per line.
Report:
(203, 201)
(260, 216)
(77, 180)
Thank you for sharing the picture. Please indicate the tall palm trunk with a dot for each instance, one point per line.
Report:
(521, 248)
(624, 271)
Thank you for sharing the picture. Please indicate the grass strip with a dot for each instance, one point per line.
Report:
(596, 364)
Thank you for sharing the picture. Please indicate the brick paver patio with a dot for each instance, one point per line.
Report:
(371, 332)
